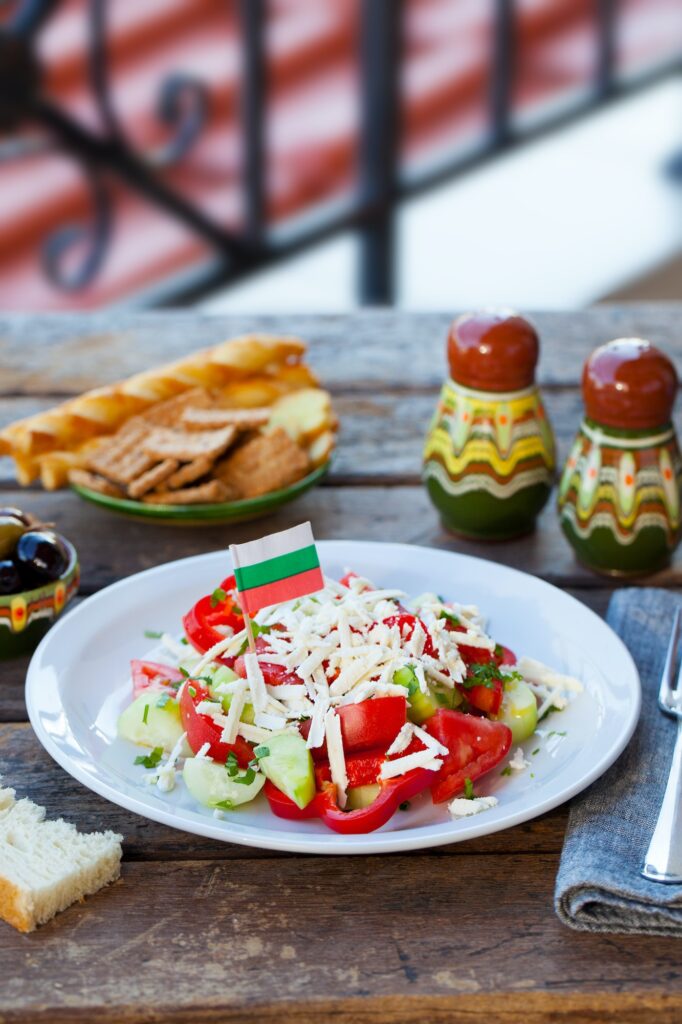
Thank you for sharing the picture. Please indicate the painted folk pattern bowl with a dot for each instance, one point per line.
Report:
(489, 460)
(619, 498)
(26, 617)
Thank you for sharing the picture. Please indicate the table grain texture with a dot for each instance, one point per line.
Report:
(198, 930)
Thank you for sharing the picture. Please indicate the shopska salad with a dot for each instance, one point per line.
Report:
(354, 703)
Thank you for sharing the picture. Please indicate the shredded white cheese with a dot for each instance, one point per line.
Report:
(259, 694)
(337, 760)
(518, 762)
(402, 765)
(460, 807)
(229, 733)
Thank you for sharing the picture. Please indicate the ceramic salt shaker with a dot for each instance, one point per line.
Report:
(619, 495)
(489, 455)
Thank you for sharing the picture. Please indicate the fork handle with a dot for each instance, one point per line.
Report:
(663, 861)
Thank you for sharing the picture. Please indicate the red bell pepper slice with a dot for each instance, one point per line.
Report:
(370, 724)
(475, 745)
(200, 621)
(284, 807)
(367, 819)
(152, 675)
(202, 729)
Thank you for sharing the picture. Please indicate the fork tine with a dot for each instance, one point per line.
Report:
(665, 692)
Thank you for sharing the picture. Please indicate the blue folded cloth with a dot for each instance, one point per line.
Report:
(599, 887)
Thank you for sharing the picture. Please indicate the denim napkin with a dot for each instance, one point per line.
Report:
(599, 887)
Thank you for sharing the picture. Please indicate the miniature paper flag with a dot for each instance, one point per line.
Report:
(276, 568)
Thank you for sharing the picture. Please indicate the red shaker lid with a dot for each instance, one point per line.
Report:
(629, 384)
(493, 351)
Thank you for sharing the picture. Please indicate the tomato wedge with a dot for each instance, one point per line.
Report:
(200, 621)
(362, 769)
(152, 675)
(406, 623)
(202, 729)
(487, 699)
(371, 724)
(274, 675)
(475, 746)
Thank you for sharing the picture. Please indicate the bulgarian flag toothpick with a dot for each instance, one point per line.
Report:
(276, 568)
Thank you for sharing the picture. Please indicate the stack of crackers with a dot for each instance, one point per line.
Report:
(256, 422)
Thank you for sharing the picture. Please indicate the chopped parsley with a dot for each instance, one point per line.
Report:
(163, 700)
(468, 789)
(192, 691)
(184, 640)
(506, 771)
(481, 674)
(183, 672)
(450, 616)
(258, 630)
(150, 760)
(145, 713)
(217, 596)
(153, 634)
(261, 751)
(555, 733)
(534, 752)
(232, 767)
(224, 805)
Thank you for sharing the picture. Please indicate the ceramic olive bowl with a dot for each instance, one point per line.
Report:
(26, 617)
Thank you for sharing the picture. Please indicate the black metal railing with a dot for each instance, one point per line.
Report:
(183, 107)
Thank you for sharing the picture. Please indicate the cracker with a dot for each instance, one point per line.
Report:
(169, 413)
(154, 476)
(190, 472)
(163, 443)
(204, 494)
(122, 458)
(243, 419)
(94, 482)
(266, 463)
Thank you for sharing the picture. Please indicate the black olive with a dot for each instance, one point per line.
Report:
(16, 513)
(10, 580)
(11, 530)
(41, 556)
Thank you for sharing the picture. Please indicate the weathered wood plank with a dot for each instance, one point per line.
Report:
(257, 937)
(69, 353)
(26, 766)
(112, 547)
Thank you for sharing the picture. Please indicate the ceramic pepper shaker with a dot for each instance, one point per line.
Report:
(619, 495)
(489, 455)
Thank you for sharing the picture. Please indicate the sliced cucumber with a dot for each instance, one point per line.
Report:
(362, 796)
(519, 709)
(289, 766)
(210, 784)
(146, 723)
(420, 705)
(221, 675)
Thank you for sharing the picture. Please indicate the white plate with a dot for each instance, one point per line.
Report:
(78, 683)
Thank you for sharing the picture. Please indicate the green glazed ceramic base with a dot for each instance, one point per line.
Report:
(601, 552)
(217, 513)
(481, 516)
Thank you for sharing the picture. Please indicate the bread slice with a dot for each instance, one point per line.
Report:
(45, 866)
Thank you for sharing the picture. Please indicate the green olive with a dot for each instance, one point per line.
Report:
(11, 530)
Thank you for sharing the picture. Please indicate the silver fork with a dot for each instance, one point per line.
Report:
(663, 861)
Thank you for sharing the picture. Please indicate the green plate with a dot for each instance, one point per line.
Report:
(220, 512)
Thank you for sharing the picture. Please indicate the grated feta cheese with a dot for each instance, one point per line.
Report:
(518, 762)
(229, 733)
(401, 765)
(402, 740)
(337, 760)
(259, 695)
(460, 807)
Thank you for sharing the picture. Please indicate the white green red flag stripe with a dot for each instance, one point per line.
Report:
(276, 568)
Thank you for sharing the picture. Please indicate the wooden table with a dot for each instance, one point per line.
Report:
(198, 930)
